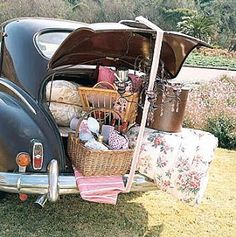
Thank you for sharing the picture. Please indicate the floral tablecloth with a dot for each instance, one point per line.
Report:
(177, 162)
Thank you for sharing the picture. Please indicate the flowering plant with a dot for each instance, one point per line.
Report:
(212, 107)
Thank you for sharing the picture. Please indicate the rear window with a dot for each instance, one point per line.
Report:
(49, 42)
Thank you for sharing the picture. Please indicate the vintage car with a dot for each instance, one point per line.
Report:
(33, 151)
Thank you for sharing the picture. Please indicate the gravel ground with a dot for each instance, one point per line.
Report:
(199, 75)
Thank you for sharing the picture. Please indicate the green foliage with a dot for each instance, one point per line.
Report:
(171, 16)
(214, 20)
(204, 5)
(170, 4)
(225, 13)
(223, 127)
(197, 25)
(73, 1)
(197, 59)
(33, 8)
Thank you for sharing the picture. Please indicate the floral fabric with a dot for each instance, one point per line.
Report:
(63, 92)
(63, 113)
(64, 100)
(177, 162)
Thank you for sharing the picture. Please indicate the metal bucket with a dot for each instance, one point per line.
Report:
(169, 114)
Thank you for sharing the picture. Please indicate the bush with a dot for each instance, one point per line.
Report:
(212, 107)
(36, 8)
(223, 127)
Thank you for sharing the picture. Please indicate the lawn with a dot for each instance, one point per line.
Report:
(138, 214)
(195, 59)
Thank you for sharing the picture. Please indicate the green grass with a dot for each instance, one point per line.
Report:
(138, 214)
(197, 59)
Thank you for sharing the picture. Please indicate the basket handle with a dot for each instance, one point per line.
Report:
(99, 85)
(100, 110)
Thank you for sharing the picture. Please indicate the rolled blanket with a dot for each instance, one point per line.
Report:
(64, 99)
(63, 92)
(63, 113)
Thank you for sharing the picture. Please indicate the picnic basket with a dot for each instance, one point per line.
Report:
(92, 162)
(101, 97)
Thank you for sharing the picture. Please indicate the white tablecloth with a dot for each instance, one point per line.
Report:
(177, 162)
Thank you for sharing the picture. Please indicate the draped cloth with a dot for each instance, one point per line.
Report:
(101, 189)
(177, 162)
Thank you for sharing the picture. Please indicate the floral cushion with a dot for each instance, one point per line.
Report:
(177, 162)
(63, 92)
(63, 113)
(65, 102)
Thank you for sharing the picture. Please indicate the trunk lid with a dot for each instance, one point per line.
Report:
(114, 44)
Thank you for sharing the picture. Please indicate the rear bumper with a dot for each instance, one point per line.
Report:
(52, 184)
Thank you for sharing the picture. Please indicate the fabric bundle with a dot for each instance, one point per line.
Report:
(64, 101)
(101, 189)
(177, 162)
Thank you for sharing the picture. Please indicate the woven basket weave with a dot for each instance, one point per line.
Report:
(96, 97)
(97, 162)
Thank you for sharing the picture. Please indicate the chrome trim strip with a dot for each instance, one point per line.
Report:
(18, 183)
(19, 95)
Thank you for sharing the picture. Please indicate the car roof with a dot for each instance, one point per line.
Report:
(37, 24)
(40, 23)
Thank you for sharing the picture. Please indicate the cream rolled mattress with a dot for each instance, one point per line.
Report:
(63, 92)
(64, 101)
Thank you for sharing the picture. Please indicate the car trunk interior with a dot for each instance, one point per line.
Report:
(62, 89)
(79, 77)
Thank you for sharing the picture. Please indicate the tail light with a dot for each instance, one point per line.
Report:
(22, 160)
(37, 156)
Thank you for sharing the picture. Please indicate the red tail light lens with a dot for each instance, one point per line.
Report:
(37, 156)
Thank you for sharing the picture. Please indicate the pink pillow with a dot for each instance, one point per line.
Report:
(136, 82)
(106, 74)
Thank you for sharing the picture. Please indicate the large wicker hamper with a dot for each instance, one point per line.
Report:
(97, 162)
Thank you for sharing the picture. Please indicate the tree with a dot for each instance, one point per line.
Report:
(20, 8)
(225, 13)
(198, 26)
(204, 6)
(103, 10)
(172, 16)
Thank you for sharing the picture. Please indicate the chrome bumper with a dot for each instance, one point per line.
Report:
(53, 185)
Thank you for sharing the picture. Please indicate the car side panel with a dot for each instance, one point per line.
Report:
(21, 121)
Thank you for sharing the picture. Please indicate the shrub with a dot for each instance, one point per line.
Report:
(223, 127)
(212, 107)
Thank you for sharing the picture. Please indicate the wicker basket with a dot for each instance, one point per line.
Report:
(97, 162)
(100, 97)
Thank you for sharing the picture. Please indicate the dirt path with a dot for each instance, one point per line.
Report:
(191, 74)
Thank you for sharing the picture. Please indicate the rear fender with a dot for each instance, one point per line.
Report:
(22, 121)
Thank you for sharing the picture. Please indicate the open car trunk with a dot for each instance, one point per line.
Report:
(124, 53)
(116, 46)
(128, 64)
